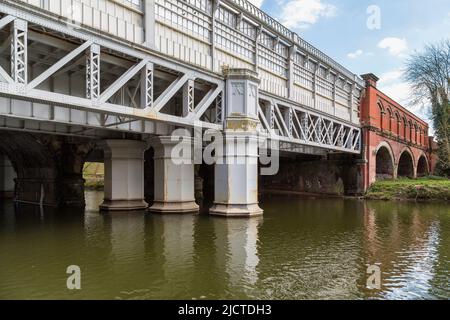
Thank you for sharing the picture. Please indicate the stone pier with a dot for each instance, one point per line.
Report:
(236, 173)
(124, 175)
(174, 176)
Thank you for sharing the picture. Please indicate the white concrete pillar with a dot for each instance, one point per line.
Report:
(236, 176)
(174, 175)
(236, 179)
(7, 176)
(124, 175)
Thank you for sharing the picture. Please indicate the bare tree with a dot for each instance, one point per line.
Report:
(428, 72)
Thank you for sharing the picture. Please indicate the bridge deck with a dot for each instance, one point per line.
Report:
(172, 77)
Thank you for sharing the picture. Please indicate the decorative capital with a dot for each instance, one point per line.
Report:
(240, 74)
(237, 122)
(241, 93)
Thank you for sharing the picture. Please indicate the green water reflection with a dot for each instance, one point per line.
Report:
(300, 249)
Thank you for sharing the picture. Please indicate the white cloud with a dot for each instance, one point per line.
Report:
(395, 46)
(303, 13)
(356, 54)
(391, 76)
(256, 3)
(392, 84)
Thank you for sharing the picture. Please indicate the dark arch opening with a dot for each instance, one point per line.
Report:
(384, 167)
(405, 166)
(93, 171)
(422, 167)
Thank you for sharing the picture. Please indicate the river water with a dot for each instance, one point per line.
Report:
(309, 248)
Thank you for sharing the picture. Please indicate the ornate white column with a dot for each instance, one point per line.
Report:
(174, 175)
(236, 173)
(124, 175)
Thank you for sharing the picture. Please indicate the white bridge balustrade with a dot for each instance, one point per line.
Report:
(97, 68)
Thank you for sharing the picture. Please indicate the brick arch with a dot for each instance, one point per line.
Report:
(422, 166)
(406, 163)
(385, 161)
(49, 169)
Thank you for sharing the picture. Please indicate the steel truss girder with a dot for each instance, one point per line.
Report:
(214, 95)
(61, 63)
(19, 61)
(188, 97)
(93, 72)
(219, 107)
(147, 85)
(134, 50)
(316, 131)
(96, 100)
(302, 126)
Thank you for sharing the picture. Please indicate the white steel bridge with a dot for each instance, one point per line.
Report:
(92, 67)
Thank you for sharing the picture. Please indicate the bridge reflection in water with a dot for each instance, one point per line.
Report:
(302, 248)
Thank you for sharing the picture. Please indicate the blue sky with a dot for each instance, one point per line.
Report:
(339, 28)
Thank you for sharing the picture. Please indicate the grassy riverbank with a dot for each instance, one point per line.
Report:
(422, 189)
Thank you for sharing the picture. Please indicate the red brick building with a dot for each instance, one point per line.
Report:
(395, 141)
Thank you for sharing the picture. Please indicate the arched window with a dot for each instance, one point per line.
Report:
(420, 136)
(415, 133)
(389, 119)
(397, 123)
(405, 125)
(410, 131)
(381, 113)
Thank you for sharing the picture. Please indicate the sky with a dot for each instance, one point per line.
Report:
(368, 36)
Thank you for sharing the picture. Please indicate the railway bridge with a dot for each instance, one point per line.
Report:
(396, 142)
(116, 80)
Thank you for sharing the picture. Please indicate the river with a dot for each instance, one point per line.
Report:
(308, 248)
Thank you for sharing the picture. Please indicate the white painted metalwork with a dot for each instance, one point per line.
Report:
(19, 62)
(302, 126)
(99, 50)
(188, 97)
(93, 72)
(147, 85)
(219, 108)
(306, 99)
(61, 63)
